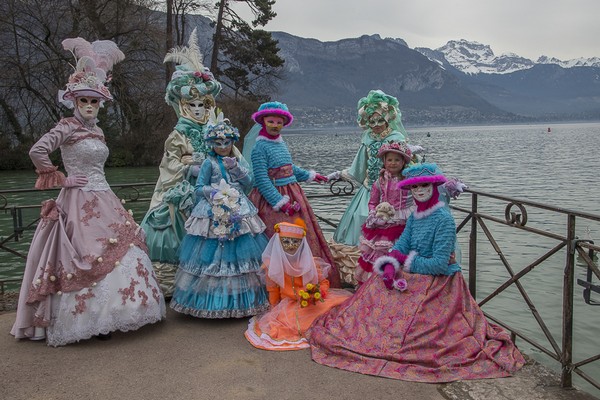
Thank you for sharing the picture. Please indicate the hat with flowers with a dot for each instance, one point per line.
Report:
(219, 127)
(422, 173)
(379, 103)
(395, 147)
(191, 79)
(273, 108)
(94, 61)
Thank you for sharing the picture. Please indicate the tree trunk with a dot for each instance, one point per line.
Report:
(214, 62)
(169, 69)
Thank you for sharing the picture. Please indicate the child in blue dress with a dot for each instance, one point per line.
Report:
(220, 256)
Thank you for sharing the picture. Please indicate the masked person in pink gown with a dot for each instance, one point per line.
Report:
(415, 319)
(88, 272)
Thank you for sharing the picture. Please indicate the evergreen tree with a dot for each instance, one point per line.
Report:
(244, 58)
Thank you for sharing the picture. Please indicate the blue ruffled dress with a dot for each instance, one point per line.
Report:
(219, 274)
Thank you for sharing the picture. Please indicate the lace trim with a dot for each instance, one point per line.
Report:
(54, 278)
(220, 313)
(74, 139)
(49, 179)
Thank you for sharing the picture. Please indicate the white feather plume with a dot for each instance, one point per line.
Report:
(106, 54)
(79, 47)
(214, 118)
(99, 55)
(189, 57)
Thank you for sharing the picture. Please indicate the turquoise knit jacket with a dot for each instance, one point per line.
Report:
(268, 154)
(432, 237)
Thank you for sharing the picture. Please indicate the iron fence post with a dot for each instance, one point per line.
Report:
(566, 379)
(473, 248)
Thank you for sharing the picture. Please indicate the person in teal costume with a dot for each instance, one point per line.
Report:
(191, 93)
(379, 116)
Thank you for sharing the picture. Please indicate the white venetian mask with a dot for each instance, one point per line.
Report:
(422, 192)
(88, 107)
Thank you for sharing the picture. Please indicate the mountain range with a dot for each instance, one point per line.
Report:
(462, 82)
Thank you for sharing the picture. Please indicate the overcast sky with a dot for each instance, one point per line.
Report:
(564, 29)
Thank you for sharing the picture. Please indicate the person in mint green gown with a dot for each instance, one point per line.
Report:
(379, 116)
(191, 93)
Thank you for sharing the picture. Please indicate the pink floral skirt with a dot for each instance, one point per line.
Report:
(432, 332)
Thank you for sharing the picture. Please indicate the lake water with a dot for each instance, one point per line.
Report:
(558, 168)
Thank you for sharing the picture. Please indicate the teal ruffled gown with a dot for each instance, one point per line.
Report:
(173, 200)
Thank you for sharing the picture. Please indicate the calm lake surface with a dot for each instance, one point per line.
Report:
(560, 168)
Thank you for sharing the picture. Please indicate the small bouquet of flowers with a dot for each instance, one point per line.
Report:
(225, 210)
(312, 294)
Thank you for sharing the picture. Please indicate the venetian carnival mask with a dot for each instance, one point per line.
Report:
(290, 245)
(197, 109)
(273, 124)
(222, 146)
(422, 192)
(376, 120)
(88, 107)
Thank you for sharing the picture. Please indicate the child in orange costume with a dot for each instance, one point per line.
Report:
(292, 274)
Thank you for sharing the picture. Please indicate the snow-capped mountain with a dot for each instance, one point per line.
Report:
(576, 62)
(475, 58)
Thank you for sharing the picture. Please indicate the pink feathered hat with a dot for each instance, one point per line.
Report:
(273, 108)
(94, 63)
(422, 173)
(395, 147)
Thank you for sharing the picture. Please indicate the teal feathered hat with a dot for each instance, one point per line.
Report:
(377, 102)
(191, 79)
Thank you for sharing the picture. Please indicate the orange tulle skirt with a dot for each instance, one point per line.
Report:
(283, 326)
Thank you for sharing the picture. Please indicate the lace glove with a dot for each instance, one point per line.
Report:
(194, 170)
(290, 208)
(334, 175)
(230, 162)
(455, 187)
(320, 179)
(75, 181)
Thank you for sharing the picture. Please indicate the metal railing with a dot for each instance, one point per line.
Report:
(515, 215)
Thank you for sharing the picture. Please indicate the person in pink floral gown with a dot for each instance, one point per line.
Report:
(87, 272)
(415, 319)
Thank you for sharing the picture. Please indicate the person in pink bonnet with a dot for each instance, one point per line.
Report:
(414, 319)
(389, 208)
(87, 272)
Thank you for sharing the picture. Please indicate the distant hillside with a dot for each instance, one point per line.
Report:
(330, 77)
(462, 82)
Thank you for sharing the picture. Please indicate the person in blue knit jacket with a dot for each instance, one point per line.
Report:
(415, 320)
(276, 192)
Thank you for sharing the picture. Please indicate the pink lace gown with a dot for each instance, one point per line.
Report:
(432, 332)
(87, 271)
